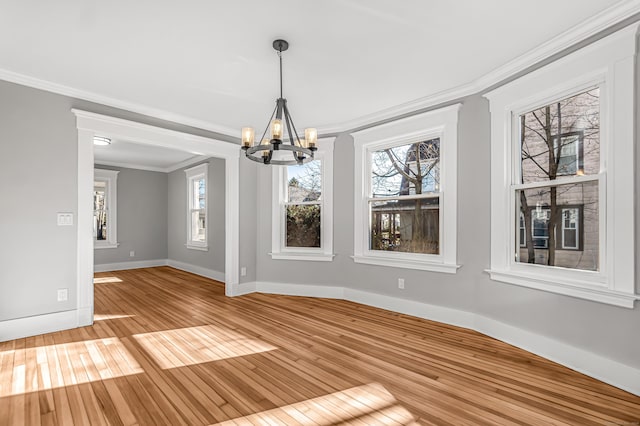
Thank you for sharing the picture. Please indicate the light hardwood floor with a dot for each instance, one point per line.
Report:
(168, 347)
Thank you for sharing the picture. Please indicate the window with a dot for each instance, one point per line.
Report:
(302, 208)
(567, 239)
(197, 207)
(562, 175)
(104, 208)
(404, 169)
(405, 201)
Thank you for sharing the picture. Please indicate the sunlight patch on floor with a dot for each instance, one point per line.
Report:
(64, 364)
(106, 280)
(366, 404)
(196, 345)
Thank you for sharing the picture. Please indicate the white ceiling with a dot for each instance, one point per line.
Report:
(140, 156)
(211, 63)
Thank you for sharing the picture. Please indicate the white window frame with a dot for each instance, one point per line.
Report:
(193, 174)
(609, 65)
(441, 123)
(110, 178)
(279, 249)
(576, 229)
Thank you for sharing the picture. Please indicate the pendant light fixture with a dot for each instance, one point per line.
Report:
(267, 149)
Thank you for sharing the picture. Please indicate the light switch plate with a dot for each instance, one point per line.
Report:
(63, 294)
(65, 219)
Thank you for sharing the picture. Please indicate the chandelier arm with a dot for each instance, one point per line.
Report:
(287, 117)
(269, 123)
(286, 111)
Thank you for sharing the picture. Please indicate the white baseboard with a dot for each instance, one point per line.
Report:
(198, 270)
(122, 266)
(39, 324)
(589, 363)
(410, 307)
(240, 289)
(329, 292)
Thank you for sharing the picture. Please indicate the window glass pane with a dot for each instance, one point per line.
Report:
(303, 225)
(555, 222)
(201, 188)
(198, 231)
(100, 211)
(406, 170)
(304, 182)
(562, 138)
(410, 226)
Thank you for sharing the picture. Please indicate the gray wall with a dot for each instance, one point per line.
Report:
(38, 169)
(596, 327)
(142, 217)
(38, 178)
(177, 218)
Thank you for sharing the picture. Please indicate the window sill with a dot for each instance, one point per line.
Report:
(582, 291)
(105, 246)
(408, 264)
(194, 247)
(320, 257)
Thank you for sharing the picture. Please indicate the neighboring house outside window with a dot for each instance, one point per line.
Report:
(197, 207)
(405, 180)
(562, 182)
(302, 213)
(105, 209)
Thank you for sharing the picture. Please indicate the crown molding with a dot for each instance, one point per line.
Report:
(169, 169)
(588, 28)
(98, 98)
(609, 17)
(622, 10)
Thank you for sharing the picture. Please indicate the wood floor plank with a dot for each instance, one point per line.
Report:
(168, 347)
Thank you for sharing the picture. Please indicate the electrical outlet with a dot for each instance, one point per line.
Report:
(63, 294)
(401, 283)
(132, 253)
(243, 271)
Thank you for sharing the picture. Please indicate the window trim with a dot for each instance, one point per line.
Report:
(110, 177)
(440, 123)
(609, 64)
(279, 250)
(200, 171)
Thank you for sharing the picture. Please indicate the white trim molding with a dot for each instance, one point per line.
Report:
(279, 249)
(589, 363)
(88, 125)
(41, 324)
(134, 264)
(607, 64)
(442, 124)
(198, 270)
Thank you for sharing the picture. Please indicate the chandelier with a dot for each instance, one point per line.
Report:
(269, 150)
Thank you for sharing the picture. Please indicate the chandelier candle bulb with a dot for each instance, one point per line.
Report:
(276, 129)
(265, 142)
(311, 136)
(248, 135)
